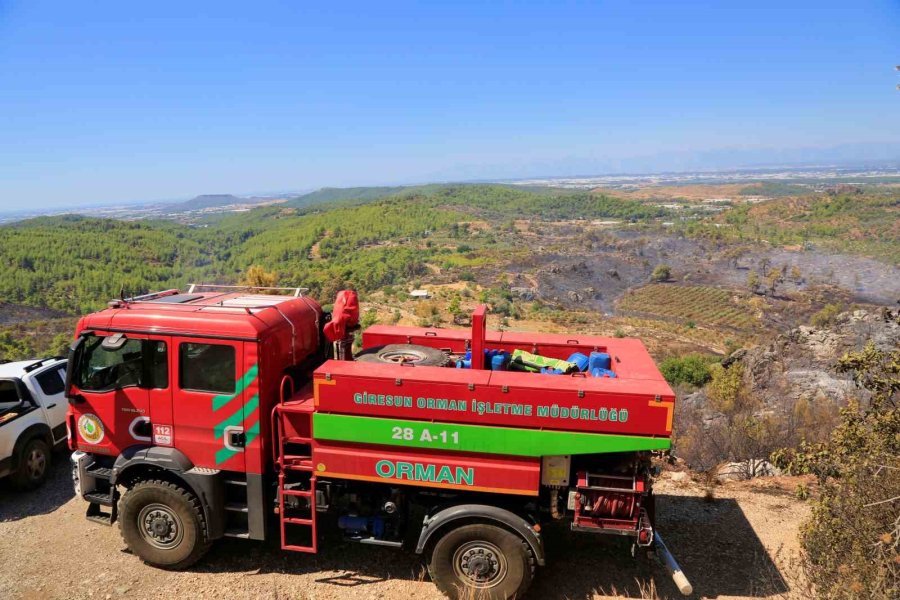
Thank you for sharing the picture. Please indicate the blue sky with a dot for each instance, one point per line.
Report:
(108, 101)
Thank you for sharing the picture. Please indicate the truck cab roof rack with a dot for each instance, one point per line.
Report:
(296, 292)
(38, 364)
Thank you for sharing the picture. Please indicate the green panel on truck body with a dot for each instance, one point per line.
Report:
(475, 438)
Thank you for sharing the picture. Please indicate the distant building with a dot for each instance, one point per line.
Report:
(420, 294)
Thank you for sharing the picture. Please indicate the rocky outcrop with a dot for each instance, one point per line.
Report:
(791, 384)
(747, 469)
(523, 293)
(802, 362)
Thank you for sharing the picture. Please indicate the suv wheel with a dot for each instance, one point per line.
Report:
(34, 463)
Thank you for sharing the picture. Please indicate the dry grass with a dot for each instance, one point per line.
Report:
(647, 591)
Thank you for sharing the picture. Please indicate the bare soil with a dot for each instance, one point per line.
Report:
(736, 545)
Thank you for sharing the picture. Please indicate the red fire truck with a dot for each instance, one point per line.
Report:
(223, 412)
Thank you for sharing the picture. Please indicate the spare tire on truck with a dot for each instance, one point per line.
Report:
(405, 354)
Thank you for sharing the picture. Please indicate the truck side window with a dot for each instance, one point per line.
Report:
(50, 382)
(206, 367)
(135, 363)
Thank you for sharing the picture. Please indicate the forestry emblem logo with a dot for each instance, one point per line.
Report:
(90, 428)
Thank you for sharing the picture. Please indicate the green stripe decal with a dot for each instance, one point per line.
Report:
(237, 418)
(240, 385)
(252, 433)
(476, 438)
(224, 454)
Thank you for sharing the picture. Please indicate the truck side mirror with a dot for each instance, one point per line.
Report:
(72, 365)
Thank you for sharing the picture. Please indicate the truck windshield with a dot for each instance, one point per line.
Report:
(137, 362)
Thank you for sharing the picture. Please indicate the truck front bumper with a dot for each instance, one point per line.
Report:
(83, 482)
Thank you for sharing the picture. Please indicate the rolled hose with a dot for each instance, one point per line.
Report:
(678, 576)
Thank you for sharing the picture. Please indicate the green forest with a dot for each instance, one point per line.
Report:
(75, 264)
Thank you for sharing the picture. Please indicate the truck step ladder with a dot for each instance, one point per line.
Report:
(292, 425)
(236, 507)
(106, 496)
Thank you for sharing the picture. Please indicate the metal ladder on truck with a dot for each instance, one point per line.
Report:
(292, 427)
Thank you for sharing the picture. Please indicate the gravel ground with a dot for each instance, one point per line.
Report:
(729, 547)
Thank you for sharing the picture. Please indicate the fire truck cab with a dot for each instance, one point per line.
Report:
(179, 387)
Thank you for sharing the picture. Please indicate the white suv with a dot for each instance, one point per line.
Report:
(32, 418)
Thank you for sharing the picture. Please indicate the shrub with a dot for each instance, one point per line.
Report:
(454, 308)
(692, 369)
(369, 318)
(753, 281)
(826, 316)
(661, 273)
(725, 386)
(256, 276)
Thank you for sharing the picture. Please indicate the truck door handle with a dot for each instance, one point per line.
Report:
(49, 406)
(234, 438)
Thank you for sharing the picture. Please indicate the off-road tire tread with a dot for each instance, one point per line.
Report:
(203, 542)
(527, 576)
(433, 356)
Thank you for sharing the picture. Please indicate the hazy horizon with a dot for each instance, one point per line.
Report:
(888, 164)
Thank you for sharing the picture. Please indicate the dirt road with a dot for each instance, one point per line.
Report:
(730, 547)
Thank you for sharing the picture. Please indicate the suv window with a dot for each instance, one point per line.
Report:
(206, 367)
(9, 395)
(51, 383)
(137, 362)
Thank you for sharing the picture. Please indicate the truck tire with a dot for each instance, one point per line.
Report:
(163, 524)
(34, 463)
(481, 561)
(410, 354)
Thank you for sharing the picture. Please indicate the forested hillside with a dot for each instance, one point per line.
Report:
(74, 264)
(851, 219)
(326, 195)
(499, 201)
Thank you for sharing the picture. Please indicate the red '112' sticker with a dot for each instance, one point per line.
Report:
(162, 435)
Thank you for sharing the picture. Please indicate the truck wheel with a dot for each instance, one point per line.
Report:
(410, 354)
(481, 561)
(34, 463)
(163, 524)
